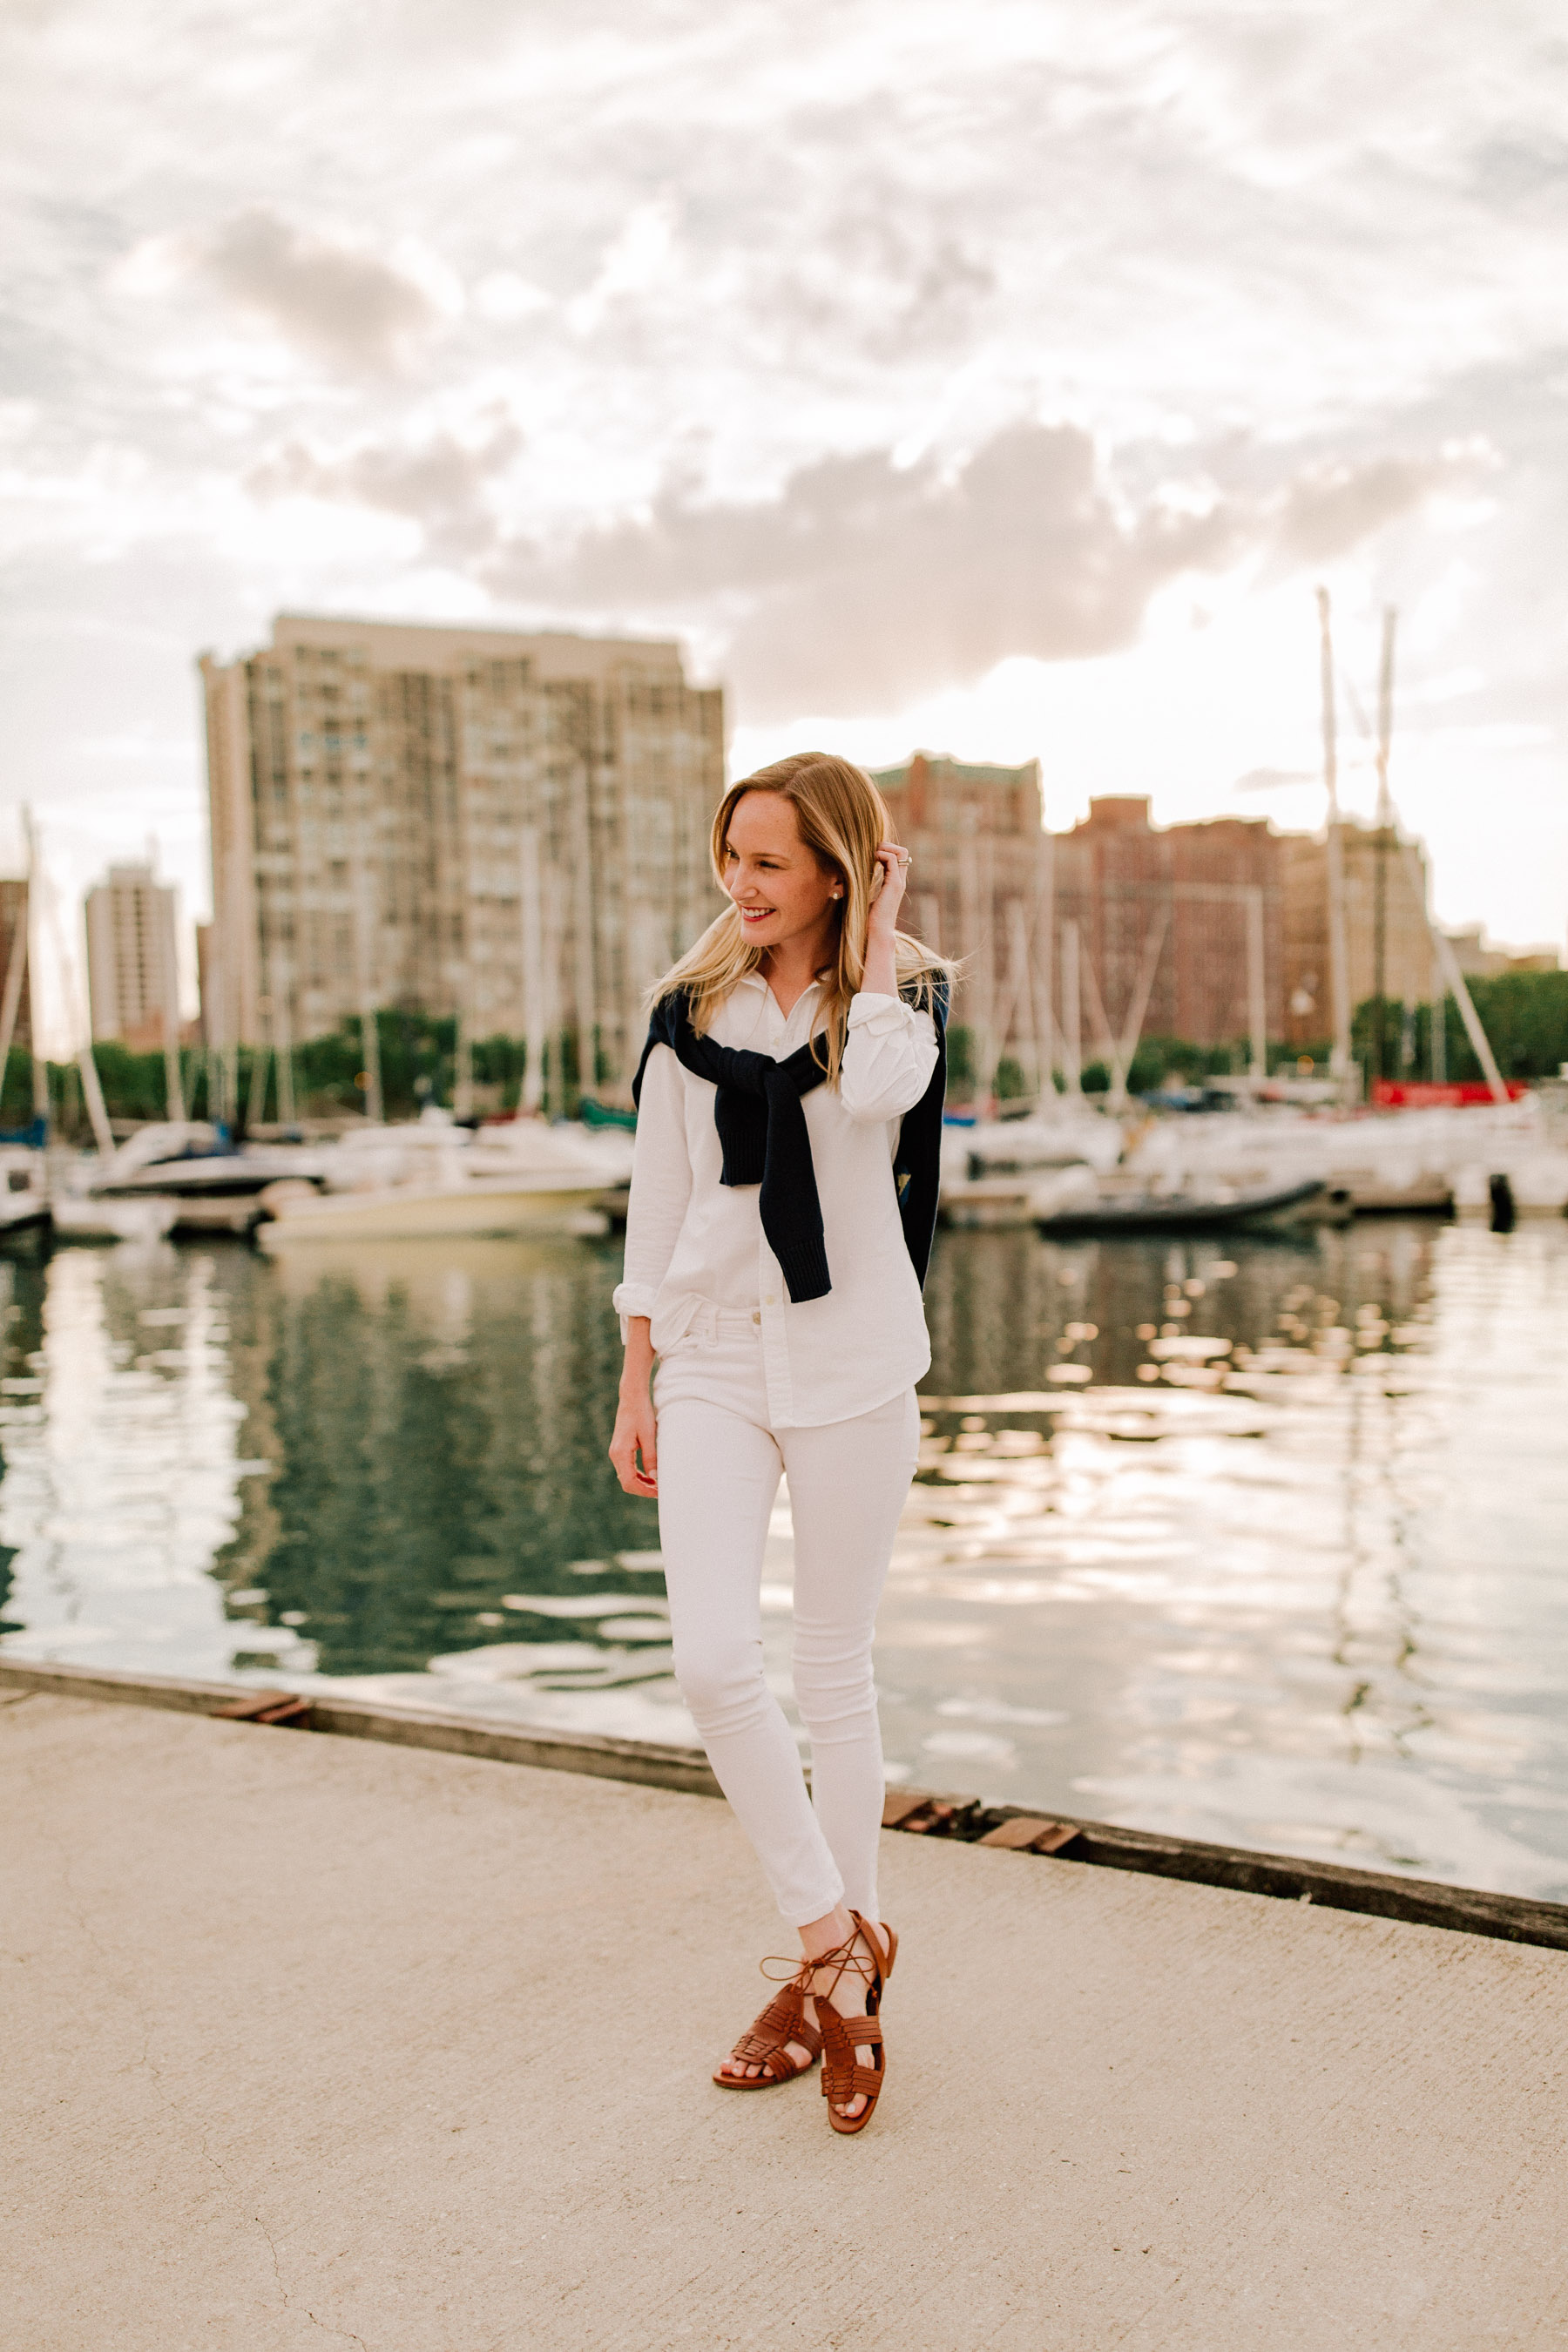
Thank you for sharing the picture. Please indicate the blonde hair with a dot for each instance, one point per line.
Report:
(842, 817)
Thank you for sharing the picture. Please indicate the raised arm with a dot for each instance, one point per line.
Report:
(890, 1051)
(888, 1056)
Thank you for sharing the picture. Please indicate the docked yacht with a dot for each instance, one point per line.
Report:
(435, 1178)
(25, 1218)
(1399, 1162)
(992, 1169)
(190, 1160)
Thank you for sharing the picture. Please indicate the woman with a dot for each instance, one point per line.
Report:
(782, 1198)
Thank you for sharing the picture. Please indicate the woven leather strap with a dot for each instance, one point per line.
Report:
(783, 2020)
(843, 2076)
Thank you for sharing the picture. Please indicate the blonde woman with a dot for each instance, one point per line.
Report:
(783, 1196)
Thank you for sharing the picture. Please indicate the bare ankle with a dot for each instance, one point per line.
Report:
(827, 1934)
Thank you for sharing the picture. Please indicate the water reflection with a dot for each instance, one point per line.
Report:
(1284, 1570)
(1262, 1546)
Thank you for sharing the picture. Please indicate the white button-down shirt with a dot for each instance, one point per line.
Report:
(694, 1245)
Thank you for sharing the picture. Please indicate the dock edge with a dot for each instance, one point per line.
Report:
(1059, 1837)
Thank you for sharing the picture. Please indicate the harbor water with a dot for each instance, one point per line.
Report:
(1265, 1546)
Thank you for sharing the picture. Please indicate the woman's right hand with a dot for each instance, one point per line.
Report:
(634, 1448)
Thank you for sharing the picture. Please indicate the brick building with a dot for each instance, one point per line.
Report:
(979, 889)
(1181, 924)
(1374, 866)
(1216, 933)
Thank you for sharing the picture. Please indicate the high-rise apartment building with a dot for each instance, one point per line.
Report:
(511, 828)
(979, 889)
(132, 974)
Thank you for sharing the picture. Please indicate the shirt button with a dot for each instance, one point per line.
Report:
(770, 1300)
(756, 1314)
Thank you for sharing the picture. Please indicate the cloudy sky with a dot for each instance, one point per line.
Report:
(996, 378)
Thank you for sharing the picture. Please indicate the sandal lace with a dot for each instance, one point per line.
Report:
(843, 1959)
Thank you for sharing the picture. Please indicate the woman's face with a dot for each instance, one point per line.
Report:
(773, 876)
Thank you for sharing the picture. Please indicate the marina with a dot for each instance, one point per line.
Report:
(1256, 1548)
(937, 634)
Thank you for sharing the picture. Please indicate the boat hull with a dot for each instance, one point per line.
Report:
(1289, 1205)
(413, 1212)
(82, 1217)
(25, 1223)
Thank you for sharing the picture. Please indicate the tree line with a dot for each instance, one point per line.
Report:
(1524, 1014)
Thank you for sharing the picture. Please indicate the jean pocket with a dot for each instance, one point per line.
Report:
(687, 1343)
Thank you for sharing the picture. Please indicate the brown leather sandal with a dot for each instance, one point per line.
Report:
(767, 2043)
(843, 2076)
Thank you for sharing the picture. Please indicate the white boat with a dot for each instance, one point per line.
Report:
(189, 1159)
(1401, 1162)
(78, 1217)
(25, 1211)
(1537, 1184)
(992, 1168)
(432, 1178)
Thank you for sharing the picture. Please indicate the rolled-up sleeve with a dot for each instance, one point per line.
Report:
(661, 1187)
(888, 1056)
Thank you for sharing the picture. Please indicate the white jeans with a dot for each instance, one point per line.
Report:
(719, 1468)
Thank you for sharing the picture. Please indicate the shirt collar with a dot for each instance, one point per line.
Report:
(756, 979)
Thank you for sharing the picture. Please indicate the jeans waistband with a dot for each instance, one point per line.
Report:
(712, 1322)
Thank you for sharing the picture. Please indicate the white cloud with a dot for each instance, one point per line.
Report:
(640, 261)
(864, 584)
(440, 480)
(722, 264)
(503, 297)
(333, 296)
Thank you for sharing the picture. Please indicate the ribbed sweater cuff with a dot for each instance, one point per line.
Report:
(804, 1266)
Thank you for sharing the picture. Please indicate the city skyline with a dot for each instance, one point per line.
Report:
(511, 830)
(999, 384)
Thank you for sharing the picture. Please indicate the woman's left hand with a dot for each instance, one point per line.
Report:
(893, 864)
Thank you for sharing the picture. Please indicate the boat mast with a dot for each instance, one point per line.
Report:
(40, 1067)
(463, 1054)
(77, 1007)
(370, 1033)
(1384, 827)
(1072, 1024)
(16, 965)
(1388, 834)
(1257, 998)
(1042, 959)
(532, 917)
(1340, 1056)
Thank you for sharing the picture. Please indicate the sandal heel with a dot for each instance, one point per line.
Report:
(843, 2076)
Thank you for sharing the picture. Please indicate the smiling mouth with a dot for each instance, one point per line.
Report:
(756, 914)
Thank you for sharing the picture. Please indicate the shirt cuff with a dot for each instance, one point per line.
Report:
(880, 1014)
(633, 1298)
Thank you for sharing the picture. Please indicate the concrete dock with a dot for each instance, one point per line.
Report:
(312, 2040)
